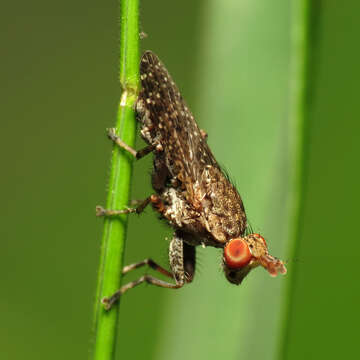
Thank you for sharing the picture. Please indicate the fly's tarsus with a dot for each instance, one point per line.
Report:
(110, 301)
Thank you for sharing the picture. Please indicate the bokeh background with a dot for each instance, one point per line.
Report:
(231, 59)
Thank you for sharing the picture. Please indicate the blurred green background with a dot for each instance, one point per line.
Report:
(231, 60)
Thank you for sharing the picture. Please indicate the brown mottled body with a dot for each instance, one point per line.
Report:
(199, 198)
(193, 194)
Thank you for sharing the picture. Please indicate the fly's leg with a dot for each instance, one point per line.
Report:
(182, 261)
(154, 199)
(100, 211)
(149, 262)
(136, 154)
(189, 262)
(181, 258)
(110, 301)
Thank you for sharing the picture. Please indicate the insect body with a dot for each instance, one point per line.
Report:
(192, 192)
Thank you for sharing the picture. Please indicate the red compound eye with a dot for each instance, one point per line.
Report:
(237, 253)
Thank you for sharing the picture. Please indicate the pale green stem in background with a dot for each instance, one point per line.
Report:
(297, 117)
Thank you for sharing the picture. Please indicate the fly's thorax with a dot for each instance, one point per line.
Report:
(175, 206)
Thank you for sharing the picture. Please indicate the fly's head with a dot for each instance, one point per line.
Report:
(245, 253)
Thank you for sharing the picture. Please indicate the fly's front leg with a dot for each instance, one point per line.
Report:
(149, 262)
(181, 258)
(110, 301)
(182, 261)
(136, 154)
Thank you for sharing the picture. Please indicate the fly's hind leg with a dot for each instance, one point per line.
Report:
(153, 199)
(182, 262)
(136, 154)
(100, 211)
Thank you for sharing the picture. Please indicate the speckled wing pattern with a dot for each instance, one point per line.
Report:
(168, 124)
(172, 118)
(172, 123)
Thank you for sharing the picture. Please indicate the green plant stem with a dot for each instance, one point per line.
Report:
(113, 240)
(298, 114)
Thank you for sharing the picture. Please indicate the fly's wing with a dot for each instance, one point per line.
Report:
(171, 124)
(167, 122)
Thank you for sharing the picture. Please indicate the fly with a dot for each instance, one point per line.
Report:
(191, 191)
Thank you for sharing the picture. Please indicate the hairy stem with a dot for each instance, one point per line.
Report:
(113, 240)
